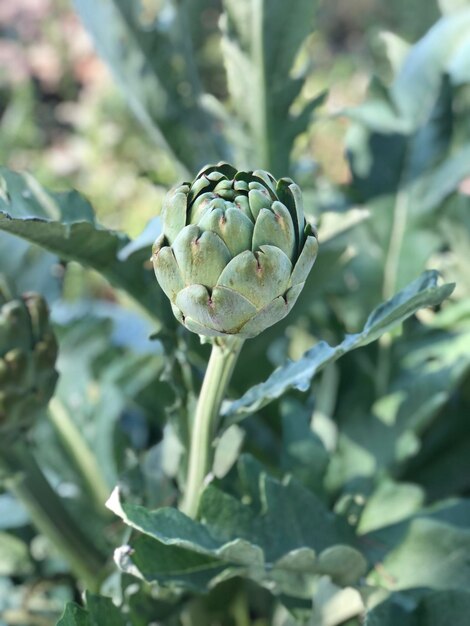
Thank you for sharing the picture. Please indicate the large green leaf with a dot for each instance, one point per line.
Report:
(417, 428)
(282, 537)
(168, 565)
(108, 415)
(336, 231)
(420, 77)
(260, 43)
(409, 102)
(421, 607)
(429, 549)
(404, 178)
(303, 454)
(387, 156)
(389, 503)
(442, 462)
(408, 155)
(25, 267)
(64, 224)
(150, 54)
(298, 374)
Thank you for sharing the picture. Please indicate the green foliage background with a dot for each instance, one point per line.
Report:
(340, 484)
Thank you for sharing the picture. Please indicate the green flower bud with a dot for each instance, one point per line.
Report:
(28, 351)
(235, 251)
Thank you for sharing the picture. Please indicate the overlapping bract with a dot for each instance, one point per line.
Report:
(235, 251)
(28, 351)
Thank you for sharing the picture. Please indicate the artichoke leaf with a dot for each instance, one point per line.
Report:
(260, 277)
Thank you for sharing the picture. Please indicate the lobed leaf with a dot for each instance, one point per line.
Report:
(259, 61)
(292, 538)
(407, 158)
(416, 85)
(418, 422)
(64, 224)
(298, 374)
(150, 54)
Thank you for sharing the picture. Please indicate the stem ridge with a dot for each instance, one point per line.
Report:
(219, 371)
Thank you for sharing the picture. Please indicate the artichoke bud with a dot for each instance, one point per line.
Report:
(28, 352)
(235, 251)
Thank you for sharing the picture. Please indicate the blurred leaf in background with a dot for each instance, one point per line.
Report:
(341, 495)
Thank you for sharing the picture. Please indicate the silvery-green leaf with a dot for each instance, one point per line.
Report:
(153, 64)
(64, 224)
(421, 607)
(298, 374)
(425, 552)
(269, 546)
(259, 61)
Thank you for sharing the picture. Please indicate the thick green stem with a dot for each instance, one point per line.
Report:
(25, 479)
(81, 454)
(219, 371)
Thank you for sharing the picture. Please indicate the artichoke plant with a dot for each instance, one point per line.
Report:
(28, 351)
(235, 251)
